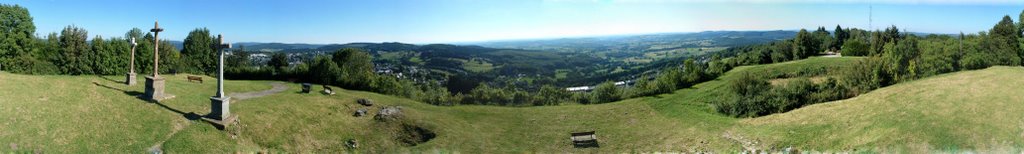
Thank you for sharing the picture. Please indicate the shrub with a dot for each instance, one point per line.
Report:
(606, 92)
(854, 47)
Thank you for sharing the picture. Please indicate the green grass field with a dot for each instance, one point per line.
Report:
(971, 110)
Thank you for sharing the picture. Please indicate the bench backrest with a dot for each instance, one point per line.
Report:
(582, 133)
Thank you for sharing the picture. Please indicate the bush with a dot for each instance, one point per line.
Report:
(854, 47)
(748, 97)
(606, 92)
(868, 74)
(829, 90)
(790, 96)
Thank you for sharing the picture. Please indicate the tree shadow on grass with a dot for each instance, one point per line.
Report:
(139, 95)
(135, 94)
(109, 79)
(109, 87)
(189, 115)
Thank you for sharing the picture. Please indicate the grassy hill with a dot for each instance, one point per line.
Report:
(971, 110)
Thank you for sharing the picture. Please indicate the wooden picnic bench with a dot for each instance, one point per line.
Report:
(328, 90)
(584, 139)
(195, 78)
(306, 87)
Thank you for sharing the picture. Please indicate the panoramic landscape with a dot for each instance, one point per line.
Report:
(544, 76)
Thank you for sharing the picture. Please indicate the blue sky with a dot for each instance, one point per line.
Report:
(445, 21)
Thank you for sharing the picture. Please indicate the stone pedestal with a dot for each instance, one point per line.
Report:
(130, 80)
(219, 107)
(155, 89)
(220, 113)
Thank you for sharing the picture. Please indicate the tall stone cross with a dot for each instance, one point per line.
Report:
(220, 46)
(131, 65)
(130, 79)
(156, 48)
(220, 110)
(155, 84)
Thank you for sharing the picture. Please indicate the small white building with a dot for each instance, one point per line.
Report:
(579, 89)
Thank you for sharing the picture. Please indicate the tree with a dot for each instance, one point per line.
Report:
(840, 37)
(898, 57)
(75, 52)
(693, 72)
(854, 47)
(239, 58)
(16, 36)
(102, 60)
(1020, 39)
(823, 39)
(804, 45)
(716, 66)
(198, 53)
(549, 95)
(118, 58)
(323, 70)
(1003, 42)
(938, 55)
(748, 99)
(278, 61)
(880, 39)
(868, 74)
(45, 53)
(606, 92)
(356, 67)
(170, 58)
(974, 56)
(666, 82)
(144, 53)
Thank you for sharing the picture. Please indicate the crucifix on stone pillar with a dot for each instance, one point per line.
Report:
(155, 84)
(156, 48)
(220, 104)
(131, 66)
(220, 46)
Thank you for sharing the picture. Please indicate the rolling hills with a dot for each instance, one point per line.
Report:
(970, 111)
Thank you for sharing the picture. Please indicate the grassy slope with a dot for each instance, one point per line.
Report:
(91, 114)
(967, 110)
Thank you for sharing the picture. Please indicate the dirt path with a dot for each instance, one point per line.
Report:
(278, 87)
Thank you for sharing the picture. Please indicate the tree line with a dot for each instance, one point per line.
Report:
(891, 57)
(72, 52)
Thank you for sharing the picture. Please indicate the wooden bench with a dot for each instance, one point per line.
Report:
(195, 78)
(328, 90)
(306, 87)
(584, 139)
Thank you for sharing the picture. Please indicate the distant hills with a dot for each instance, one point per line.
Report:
(695, 39)
(271, 47)
(561, 62)
(628, 42)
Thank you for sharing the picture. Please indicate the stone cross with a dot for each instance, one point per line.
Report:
(130, 78)
(156, 48)
(220, 105)
(131, 66)
(155, 84)
(220, 46)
